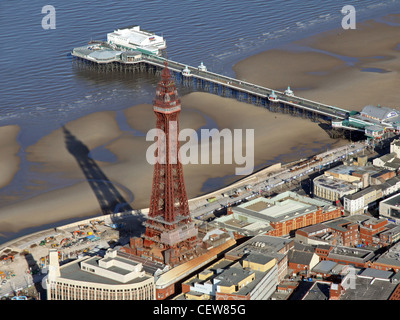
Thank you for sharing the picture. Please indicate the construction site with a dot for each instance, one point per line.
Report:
(24, 262)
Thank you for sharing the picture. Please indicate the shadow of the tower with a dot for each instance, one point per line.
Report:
(109, 198)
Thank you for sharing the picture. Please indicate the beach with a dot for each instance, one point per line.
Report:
(345, 68)
(9, 146)
(131, 174)
(305, 66)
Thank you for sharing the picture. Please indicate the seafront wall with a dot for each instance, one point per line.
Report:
(194, 203)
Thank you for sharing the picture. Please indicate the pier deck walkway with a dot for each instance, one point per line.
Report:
(245, 91)
(215, 83)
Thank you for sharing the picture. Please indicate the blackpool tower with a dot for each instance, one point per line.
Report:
(171, 235)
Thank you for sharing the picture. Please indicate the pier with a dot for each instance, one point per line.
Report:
(105, 57)
(198, 78)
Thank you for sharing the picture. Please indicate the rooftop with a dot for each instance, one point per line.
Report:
(283, 206)
(266, 245)
(110, 270)
(136, 37)
(338, 224)
(367, 289)
(320, 290)
(363, 192)
(328, 267)
(300, 257)
(104, 54)
(336, 184)
(376, 274)
(351, 170)
(390, 257)
(314, 229)
(182, 270)
(259, 258)
(351, 254)
(379, 112)
(232, 276)
(393, 200)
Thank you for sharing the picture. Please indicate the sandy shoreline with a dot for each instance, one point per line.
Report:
(347, 68)
(9, 161)
(278, 137)
(131, 174)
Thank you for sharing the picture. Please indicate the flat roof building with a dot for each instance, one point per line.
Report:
(388, 261)
(350, 182)
(277, 216)
(270, 246)
(133, 38)
(356, 257)
(332, 189)
(254, 277)
(329, 269)
(370, 286)
(340, 231)
(390, 208)
(95, 278)
(381, 115)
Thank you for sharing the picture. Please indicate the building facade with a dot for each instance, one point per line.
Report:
(335, 232)
(390, 208)
(252, 278)
(133, 38)
(95, 278)
(332, 189)
(278, 216)
(302, 262)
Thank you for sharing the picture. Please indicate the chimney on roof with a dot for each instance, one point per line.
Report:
(335, 291)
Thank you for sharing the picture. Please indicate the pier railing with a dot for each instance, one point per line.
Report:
(249, 88)
(234, 86)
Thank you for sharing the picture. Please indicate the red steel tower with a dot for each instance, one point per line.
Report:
(170, 231)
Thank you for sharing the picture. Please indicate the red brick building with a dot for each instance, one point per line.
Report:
(370, 228)
(278, 216)
(302, 262)
(284, 227)
(323, 251)
(334, 232)
(396, 294)
(351, 231)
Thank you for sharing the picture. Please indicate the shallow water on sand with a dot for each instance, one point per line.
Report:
(41, 88)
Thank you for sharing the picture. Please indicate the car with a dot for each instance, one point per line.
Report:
(4, 282)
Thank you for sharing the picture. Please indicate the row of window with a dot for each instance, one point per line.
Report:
(63, 291)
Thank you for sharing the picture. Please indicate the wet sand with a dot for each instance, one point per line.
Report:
(278, 137)
(131, 174)
(346, 68)
(9, 160)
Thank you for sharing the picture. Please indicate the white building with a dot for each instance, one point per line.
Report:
(390, 208)
(382, 115)
(95, 278)
(354, 203)
(359, 202)
(132, 38)
(390, 161)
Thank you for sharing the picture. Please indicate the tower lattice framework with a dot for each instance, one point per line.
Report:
(169, 226)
